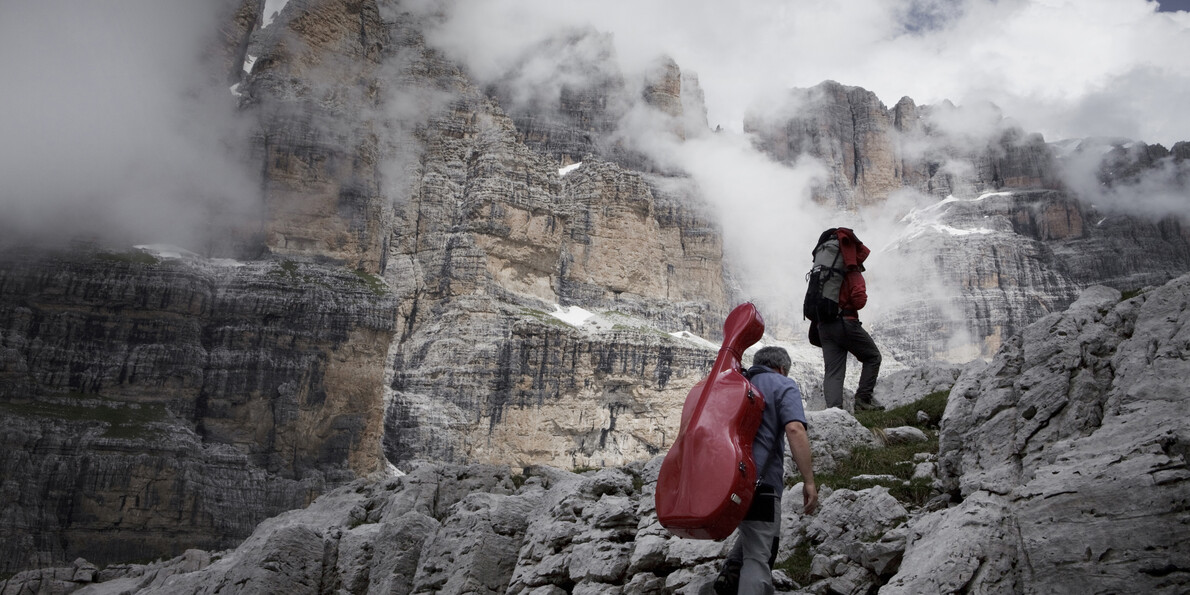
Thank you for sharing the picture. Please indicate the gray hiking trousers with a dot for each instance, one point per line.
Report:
(839, 338)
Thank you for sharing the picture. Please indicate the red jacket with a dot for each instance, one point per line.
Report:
(853, 295)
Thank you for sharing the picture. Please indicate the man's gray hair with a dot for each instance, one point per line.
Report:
(774, 358)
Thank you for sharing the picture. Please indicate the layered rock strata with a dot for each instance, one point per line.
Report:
(870, 150)
(152, 405)
(419, 249)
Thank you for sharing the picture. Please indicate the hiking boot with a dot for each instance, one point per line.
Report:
(868, 406)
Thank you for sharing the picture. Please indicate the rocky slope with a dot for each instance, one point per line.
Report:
(411, 288)
(1064, 458)
(1068, 451)
(470, 529)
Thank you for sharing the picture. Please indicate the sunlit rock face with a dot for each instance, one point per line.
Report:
(494, 238)
(152, 405)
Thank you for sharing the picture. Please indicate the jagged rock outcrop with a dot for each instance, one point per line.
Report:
(1065, 459)
(153, 405)
(1069, 453)
(471, 529)
(569, 99)
(871, 151)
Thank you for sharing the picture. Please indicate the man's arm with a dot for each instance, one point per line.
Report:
(799, 448)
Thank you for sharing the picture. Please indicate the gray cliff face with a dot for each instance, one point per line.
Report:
(397, 303)
(490, 242)
(402, 309)
(1069, 451)
(871, 151)
(154, 405)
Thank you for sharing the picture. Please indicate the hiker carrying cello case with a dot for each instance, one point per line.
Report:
(708, 478)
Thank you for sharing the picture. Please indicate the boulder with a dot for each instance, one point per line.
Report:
(834, 433)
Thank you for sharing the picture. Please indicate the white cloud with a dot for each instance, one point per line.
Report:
(110, 128)
(1065, 68)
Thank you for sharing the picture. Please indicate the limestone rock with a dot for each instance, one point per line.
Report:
(906, 386)
(904, 434)
(848, 516)
(1067, 449)
(183, 401)
(834, 433)
(1010, 258)
(470, 551)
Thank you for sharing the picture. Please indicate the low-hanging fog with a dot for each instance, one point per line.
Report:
(116, 126)
(1065, 69)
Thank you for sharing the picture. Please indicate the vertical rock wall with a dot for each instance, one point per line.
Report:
(153, 405)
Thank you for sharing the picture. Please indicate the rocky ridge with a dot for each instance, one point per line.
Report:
(1068, 451)
(1074, 423)
(872, 151)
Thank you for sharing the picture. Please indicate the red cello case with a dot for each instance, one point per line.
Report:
(708, 478)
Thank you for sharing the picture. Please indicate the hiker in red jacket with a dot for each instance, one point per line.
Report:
(846, 334)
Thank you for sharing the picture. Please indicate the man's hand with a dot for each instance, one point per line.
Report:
(810, 497)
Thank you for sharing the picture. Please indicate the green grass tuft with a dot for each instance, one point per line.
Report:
(797, 565)
(124, 420)
(129, 257)
(1131, 293)
(895, 460)
(374, 283)
(934, 404)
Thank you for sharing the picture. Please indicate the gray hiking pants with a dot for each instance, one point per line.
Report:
(839, 338)
(754, 549)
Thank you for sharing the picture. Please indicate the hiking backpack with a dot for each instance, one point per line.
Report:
(823, 283)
